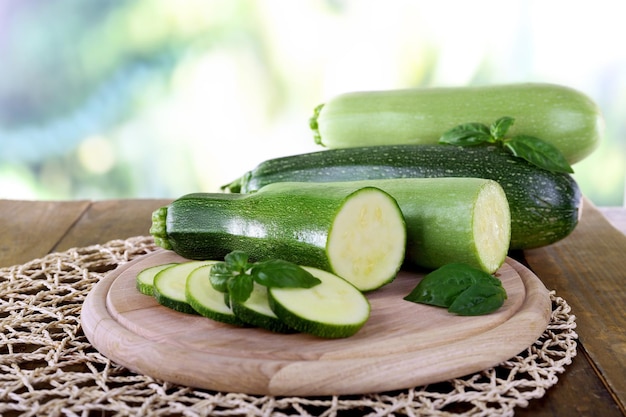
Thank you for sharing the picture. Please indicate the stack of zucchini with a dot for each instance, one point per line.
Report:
(386, 194)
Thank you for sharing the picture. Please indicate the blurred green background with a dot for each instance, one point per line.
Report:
(158, 98)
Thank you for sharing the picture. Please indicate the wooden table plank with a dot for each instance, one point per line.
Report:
(107, 220)
(31, 229)
(584, 270)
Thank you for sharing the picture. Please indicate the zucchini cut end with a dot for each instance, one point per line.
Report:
(491, 223)
(367, 241)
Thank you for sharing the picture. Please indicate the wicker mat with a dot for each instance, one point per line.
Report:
(48, 368)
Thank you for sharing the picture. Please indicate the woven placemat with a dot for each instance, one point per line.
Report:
(48, 367)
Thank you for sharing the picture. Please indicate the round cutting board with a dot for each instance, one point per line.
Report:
(402, 345)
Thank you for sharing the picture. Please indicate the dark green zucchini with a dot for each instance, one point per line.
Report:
(545, 206)
(356, 233)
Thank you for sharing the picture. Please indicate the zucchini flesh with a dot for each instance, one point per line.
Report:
(363, 240)
(169, 285)
(562, 116)
(145, 278)
(256, 311)
(332, 309)
(491, 228)
(300, 223)
(544, 206)
(205, 300)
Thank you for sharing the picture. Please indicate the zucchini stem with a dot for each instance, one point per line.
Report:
(314, 125)
(159, 228)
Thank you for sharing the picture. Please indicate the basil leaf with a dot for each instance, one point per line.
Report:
(237, 260)
(499, 128)
(478, 299)
(240, 287)
(282, 274)
(219, 274)
(467, 134)
(458, 286)
(538, 152)
(532, 149)
(441, 286)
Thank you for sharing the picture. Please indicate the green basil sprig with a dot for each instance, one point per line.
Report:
(236, 275)
(460, 288)
(530, 148)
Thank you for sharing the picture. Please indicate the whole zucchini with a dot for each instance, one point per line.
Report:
(545, 206)
(356, 233)
(564, 117)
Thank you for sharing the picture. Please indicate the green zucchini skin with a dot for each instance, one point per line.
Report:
(545, 206)
(289, 222)
(565, 117)
(211, 225)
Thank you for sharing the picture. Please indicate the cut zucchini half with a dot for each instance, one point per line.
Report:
(335, 229)
(145, 278)
(170, 283)
(366, 244)
(333, 309)
(491, 227)
(256, 311)
(206, 300)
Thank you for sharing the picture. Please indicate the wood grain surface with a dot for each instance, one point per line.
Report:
(403, 344)
(588, 269)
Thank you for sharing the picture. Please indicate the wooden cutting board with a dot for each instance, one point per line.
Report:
(402, 345)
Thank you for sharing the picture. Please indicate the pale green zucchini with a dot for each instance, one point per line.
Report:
(562, 116)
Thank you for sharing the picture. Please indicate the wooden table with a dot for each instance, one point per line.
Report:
(587, 269)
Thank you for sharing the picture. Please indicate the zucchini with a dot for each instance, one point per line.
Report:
(170, 283)
(359, 235)
(145, 278)
(544, 206)
(562, 116)
(332, 309)
(448, 220)
(256, 311)
(205, 300)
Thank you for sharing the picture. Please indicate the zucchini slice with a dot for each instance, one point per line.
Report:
(333, 309)
(207, 301)
(256, 311)
(145, 278)
(170, 283)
